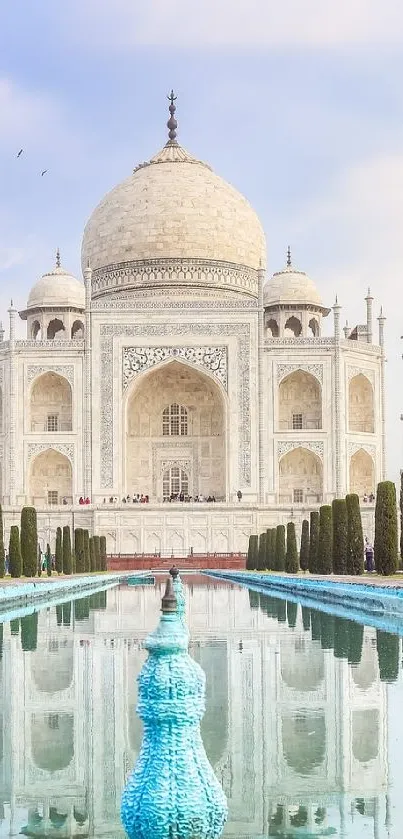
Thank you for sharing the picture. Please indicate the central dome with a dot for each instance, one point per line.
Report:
(170, 211)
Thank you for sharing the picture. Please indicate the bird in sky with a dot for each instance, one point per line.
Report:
(20, 152)
(43, 173)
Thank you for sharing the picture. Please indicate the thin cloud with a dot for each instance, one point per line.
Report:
(237, 23)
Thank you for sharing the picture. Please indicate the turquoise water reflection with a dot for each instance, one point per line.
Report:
(303, 723)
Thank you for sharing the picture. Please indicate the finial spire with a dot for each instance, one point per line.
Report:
(168, 603)
(289, 263)
(58, 258)
(172, 123)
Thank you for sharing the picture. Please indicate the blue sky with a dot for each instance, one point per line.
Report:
(297, 104)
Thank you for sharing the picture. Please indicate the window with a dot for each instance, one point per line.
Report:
(298, 496)
(175, 421)
(297, 421)
(53, 721)
(175, 481)
(53, 496)
(52, 423)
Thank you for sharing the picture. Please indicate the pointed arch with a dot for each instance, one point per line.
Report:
(300, 401)
(50, 478)
(51, 403)
(361, 404)
(300, 477)
(362, 473)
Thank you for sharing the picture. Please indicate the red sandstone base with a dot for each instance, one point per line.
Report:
(150, 562)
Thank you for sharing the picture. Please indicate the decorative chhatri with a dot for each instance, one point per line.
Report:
(172, 792)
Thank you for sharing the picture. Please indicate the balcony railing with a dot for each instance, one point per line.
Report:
(307, 425)
(42, 427)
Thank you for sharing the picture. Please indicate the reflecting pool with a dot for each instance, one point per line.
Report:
(304, 719)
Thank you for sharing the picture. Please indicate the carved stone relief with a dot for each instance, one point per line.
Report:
(353, 448)
(239, 330)
(138, 359)
(361, 371)
(284, 370)
(285, 446)
(66, 370)
(36, 448)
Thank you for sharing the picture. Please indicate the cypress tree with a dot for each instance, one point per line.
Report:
(315, 625)
(92, 554)
(356, 637)
(29, 632)
(401, 514)
(59, 614)
(292, 611)
(306, 617)
(268, 550)
(340, 535)
(281, 606)
(59, 551)
(385, 545)
(103, 554)
(313, 542)
(102, 599)
(261, 559)
(97, 551)
(249, 555)
(29, 541)
(48, 560)
(341, 637)
(254, 599)
(387, 646)
(87, 558)
(355, 539)
(326, 631)
(66, 611)
(291, 557)
(2, 556)
(14, 552)
(79, 550)
(280, 548)
(67, 558)
(325, 540)
(304, 549)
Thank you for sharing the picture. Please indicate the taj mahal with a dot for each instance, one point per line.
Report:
(180, 371)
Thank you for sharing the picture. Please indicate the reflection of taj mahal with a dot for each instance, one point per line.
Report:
(179, 369)
(287, 724)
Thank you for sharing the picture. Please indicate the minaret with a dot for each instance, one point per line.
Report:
(87, 454)
(381, 333)
(261, 395)
(346, 330)
(12, 454)
(172, 791)
(336, 397)
(369, 300)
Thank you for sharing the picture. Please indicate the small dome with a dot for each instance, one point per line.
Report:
(57, 289)
(291, 286)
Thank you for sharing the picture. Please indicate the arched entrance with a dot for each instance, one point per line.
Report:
(301, 477)
(361, 404)
(300, 402)
(51, 404)
(50, 479)
(175, 434)
(362, 478)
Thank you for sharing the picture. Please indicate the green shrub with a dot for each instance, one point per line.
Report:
(103, 554)
(270, 548)
(92, 554)
(66, 609)
(29, 632)
(304, 549)
(15, 626)
(313, 542)
(387, 646)
(67, 558)
(59, 551)
(325, 540)
(340, 535)
(306, 617)
(79, 550)
(280, 548)
(254, 599)
(2, 552)
(315, 625)
(97, 551)
(341, 637)
(356, 637)
(249, 555)
(355, 539)
(291, 556)
(281, 609)
(261, 557)
(29, 541)
(385, 545)
(14, 552)
(59, 614)
(87, 558)
(326, 631)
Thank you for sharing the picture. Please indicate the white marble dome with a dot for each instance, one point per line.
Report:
(57, 289)
(174, 207)
(291, 286)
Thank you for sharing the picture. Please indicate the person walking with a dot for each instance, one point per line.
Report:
(369, 556)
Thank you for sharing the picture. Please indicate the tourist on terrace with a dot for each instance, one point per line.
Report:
(369, 556)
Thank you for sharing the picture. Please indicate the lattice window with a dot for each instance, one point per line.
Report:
(175, 482)
(297, 422)
(52, 422)
(175, 421)
(53, 496)
(53, 721)
(298, 496)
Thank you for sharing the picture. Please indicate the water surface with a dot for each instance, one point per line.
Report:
(304, 722)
